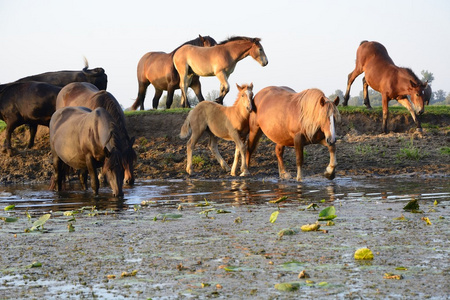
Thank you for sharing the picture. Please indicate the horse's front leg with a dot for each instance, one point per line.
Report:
(351, 77)
(33, 130)
(158, 94)
(405, 102)
(224, 86)
(385, 107)
(240, 149)
(298, 146)
(330, 170)
(90, 163)
(279, 151)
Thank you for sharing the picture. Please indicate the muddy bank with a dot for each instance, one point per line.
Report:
(361, 150)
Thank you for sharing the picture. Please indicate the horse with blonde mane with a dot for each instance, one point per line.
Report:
(157, 68)
(219, 60)
(294, 120)
(229, 123)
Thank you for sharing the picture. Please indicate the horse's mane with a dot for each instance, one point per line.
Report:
(195, 42)
(112, 106)
(413, 75)
(240, 38)
(115, 146)
(312, 114)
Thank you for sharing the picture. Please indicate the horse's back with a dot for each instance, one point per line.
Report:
(373, 52)
(76, 94)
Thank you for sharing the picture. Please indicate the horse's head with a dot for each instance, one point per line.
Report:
(113, 170)
(330, 115)
(257, 52)
(245, 96)
(128, 163)
(207, 41)
(417, 96)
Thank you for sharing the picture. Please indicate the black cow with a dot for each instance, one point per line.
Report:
(31, 103)
(95, 76)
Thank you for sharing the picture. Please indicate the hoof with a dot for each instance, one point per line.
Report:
(330, 176)
(419, 129)
(245, 173)
(286, 176)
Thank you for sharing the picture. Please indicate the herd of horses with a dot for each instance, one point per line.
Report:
(87, 124)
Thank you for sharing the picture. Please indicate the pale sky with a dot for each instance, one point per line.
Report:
(308, 43)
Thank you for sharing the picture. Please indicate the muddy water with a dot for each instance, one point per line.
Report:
(237, 254)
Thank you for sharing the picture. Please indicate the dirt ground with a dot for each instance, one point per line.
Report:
(361, 150)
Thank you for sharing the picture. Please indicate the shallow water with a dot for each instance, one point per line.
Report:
(37, 198)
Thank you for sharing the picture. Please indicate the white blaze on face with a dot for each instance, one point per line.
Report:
(332, 129)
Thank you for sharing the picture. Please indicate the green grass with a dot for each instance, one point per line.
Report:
(2, 125)
(445, 150)
(411, 152)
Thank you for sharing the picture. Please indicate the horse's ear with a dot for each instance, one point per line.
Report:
(238, 87)
(336, 101)
(201, 38)
(322, 101)
(251, 86)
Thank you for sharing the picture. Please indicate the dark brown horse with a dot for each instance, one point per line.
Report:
(219, 60)
(95, 76)
(229, 123)
(88, 95)
(31, 103)
(391, 81)
(294, 120)
(86, 140)
(157, 68)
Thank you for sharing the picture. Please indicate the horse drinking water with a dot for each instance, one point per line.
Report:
(88, 95)
(86, 140)
(229, 123)
(294, 120)
(219, 60)
(391, 81)
(157, 68)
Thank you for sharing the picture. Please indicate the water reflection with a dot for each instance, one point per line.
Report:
(36, 197)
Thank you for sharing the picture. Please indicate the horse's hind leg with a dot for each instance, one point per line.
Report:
(189, 147)
(156, 98)
(215, 151)
(141, 95)
(197, 88)
(366, 93)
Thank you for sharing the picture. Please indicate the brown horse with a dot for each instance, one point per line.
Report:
(86, 140)
(88, 95)
(294, 120)
(157, 68)
(219, 60)
(391, 81)
(229, 123)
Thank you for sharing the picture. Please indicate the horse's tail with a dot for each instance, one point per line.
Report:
(186, 128)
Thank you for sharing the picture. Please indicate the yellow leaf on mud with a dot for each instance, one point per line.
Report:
(310, 227)
(363, 253)
(426, 219)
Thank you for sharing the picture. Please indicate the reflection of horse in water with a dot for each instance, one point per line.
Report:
(88, 95)
(229, 123)
(157, 68)
(219, 60)
(294, 120)
(86, 140)
(391, 81)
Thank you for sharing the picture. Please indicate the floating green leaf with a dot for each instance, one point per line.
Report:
(287, 231)
(35, 264)
(167, 216)
(287, 286)
(10, 207)
(328, 213)
(40, 222)
(363, 253)
(281, 199)
(412, 205)
(203, 204)
(222, 211)
(274, 216)
(401, 268)
(313, 206)
(9, 219)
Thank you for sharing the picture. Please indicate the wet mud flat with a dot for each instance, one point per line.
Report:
(192, 248)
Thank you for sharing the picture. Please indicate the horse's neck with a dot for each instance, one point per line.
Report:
(240, 50)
